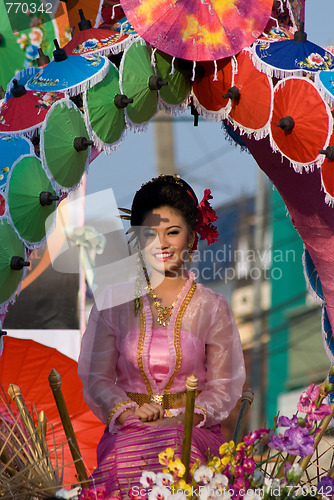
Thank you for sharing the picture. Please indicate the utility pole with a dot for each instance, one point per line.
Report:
(260, 203)
(164, 144)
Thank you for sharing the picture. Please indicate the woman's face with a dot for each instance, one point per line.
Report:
(164, 240)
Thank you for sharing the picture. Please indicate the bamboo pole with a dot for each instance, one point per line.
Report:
(246, 400)
(55, 383)
(191, 386)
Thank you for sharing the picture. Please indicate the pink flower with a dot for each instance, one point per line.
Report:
(133, 496)
(308, 398)
(255, 436)
(315, 59)
(36, 36)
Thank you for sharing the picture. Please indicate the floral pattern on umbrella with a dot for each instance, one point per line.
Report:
(199, 30)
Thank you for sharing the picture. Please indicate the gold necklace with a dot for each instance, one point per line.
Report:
(164, 313)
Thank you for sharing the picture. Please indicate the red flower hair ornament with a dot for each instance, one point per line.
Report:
(205, 216)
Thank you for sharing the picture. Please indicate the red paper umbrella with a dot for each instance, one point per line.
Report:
(198, 30)
(252, 98)
(27, 364)
(26, 110)
(301, 124)
(97, 41)
(327, 172)
(210, 87)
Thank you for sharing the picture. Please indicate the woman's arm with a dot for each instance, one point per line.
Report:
(225, 367)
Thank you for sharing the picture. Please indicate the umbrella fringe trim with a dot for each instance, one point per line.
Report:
(89, 82)
(99, 15)
(257, 134)
(26, 133)
(324, 335)
(327, 97)
(292, 17)
(273, 72)
(298, 167)
(329, 199)
(208, 115)
(243, 149)
(115, 49)
(174, 109)
(311, 291)
(31, 71)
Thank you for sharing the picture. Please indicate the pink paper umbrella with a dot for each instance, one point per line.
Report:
(23, 113)
(198, 30)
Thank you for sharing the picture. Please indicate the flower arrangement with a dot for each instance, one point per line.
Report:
(241, 473)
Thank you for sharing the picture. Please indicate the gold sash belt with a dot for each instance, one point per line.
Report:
(167, 401)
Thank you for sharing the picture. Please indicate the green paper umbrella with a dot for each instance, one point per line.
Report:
(64, 144)
(12, 263)
(31, 199)
(138, 82)
(179, 86)
(104, 111)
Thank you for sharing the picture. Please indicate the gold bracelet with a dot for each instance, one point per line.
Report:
(113, 411)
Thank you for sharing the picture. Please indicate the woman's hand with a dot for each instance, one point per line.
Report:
(149, 412)
(179, 419)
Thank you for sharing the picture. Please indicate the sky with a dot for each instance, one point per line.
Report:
(202, 154)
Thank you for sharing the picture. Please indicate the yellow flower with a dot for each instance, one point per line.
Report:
(166, 456)
(227, 448)
(240, 446)
(195, 466)
(177, 468)
(215, 464)
(182, 485)
(226, 460)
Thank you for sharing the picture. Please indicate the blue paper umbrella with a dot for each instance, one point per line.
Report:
(11, 148)
(325, 82)
(312, 277)
(285, 58)
(22, 78)
(327, 335)
(71, 74)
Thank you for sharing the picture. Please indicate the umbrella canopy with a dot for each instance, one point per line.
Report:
(324, 80)
(291, 57)
(91, 8)
(197, 30)
(2, 205)
(275, 33)
(26, 111)
(301, 124)
(211, 86)
(22, 77)
(11, 148)
(64, 144)
(312, 278)
(179, 85)
(31, 199)
(71, 74)
(104, 113)
(252, 103)
(33, 363)
(123, 26)
(12, 263)
(97, 41)
(327, 172)
(138, 82)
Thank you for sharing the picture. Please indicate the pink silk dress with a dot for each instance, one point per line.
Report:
(118, 355)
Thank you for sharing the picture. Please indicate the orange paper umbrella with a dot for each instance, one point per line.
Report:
(27, 364)
(301, 124)
(91, 9)
(210, 87)
(252, 98)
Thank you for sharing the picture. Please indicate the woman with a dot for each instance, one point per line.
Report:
(135, 357)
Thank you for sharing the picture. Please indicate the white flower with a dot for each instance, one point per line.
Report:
(177, 496)
(203, 474)
(251, 495)
(207, 493)
(258, 477)
(164, 479)
(269, 485)
(148, 478)
(219, 481)
(159, 493)
(69, 494)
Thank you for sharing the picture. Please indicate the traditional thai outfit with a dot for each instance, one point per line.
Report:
(124, 362)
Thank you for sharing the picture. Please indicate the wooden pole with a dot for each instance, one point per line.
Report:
(246, 400)
(191, 386)
(55, 383)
